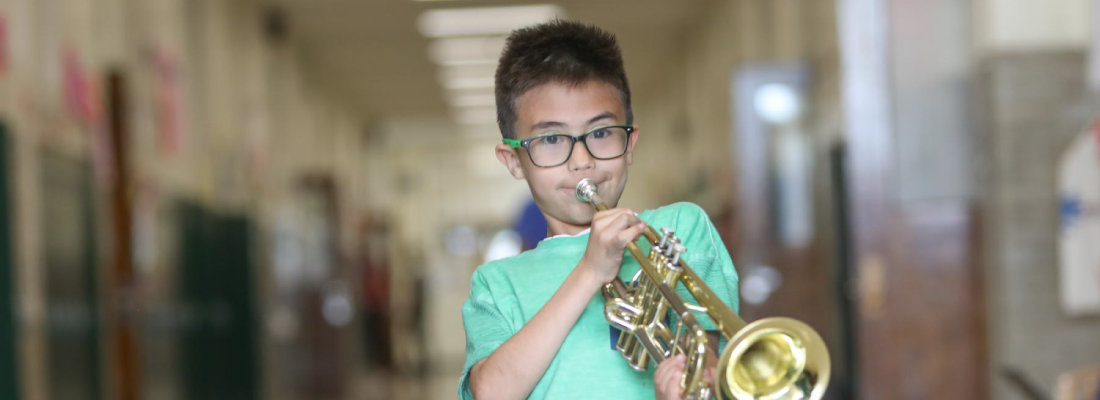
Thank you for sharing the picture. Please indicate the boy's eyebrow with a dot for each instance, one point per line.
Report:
(605, 115)
(547, 124)
(558, 124)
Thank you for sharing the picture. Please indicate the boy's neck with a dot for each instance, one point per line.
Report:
(555, 228)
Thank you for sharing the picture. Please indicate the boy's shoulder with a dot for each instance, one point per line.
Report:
(674, 215)
(499, 264)
(502, 268)
(691, 224)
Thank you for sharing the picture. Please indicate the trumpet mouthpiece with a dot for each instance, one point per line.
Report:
(587, 190)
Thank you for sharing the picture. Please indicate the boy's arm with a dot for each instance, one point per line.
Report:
(514, 368)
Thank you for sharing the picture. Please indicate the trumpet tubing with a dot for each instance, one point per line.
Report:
(773, 358)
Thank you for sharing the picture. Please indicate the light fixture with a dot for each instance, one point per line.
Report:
(484, 20)
(487, 130)
(466, 100)
(470, 77)
(469, 83)
(482, 50)
(452, 72)
(476, 116)
(778, 103)
(759, 282)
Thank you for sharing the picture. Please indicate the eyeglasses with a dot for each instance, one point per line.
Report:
(554, 149)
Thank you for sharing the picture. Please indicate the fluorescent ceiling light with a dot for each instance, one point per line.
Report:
(467, 76)
(483, 50)
(481, 131)
(457, 72)
(476, 116)
(472, 100)
(469, 83)
(464, 98)
(470, 62)
(463, 92)
(484, 20)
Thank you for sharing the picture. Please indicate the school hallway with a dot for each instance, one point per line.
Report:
(286, 199)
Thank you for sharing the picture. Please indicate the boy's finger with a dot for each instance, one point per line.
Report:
(603, 218)
(659, 377)
(626, 220)
(599, 219)
(660, 373)
(660, 382)
(667, 366)
(631, 234)
(609, 231)
(672, 382)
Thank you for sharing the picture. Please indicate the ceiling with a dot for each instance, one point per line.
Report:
(371, 52)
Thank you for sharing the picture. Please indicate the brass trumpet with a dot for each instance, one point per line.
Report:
(773, 358)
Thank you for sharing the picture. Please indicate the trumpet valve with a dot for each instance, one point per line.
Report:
(639, 361)
(676, 251)
(666, 235)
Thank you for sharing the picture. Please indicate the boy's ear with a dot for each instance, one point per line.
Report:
(509, 157)
(630, 146)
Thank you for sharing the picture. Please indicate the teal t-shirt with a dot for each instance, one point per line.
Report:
(506, 293)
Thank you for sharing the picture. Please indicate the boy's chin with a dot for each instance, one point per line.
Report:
(579, 216)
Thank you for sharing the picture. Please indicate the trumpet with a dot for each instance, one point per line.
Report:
(773, 358)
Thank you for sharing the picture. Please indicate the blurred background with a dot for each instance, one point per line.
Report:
(285, 199)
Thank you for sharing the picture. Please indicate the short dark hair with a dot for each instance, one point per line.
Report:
(558, 51)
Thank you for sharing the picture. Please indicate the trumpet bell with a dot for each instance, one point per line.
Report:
(773, 359)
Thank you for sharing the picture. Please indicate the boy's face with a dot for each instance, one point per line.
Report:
(574, 110)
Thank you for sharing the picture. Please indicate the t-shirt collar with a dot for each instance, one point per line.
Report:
(581, 233)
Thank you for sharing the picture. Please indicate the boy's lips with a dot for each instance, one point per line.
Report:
(571, 192)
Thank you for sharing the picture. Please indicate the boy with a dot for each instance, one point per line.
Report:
(535, 325)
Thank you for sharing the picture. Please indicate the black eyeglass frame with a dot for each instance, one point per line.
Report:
(526, 143)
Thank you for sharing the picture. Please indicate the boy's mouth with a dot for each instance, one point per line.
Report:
(571, 191)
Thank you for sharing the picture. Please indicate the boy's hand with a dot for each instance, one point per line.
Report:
(670, 372)
(611, 231)
(666, 380)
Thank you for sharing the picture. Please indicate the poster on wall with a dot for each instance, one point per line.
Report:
(1079, 236)
(167, 98)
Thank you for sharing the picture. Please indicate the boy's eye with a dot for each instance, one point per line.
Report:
(600, 133)
(554, 139)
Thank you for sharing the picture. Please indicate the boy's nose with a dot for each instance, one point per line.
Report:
(581, 160)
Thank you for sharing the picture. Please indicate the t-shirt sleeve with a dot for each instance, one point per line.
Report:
(486, 329)
(708, 257)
